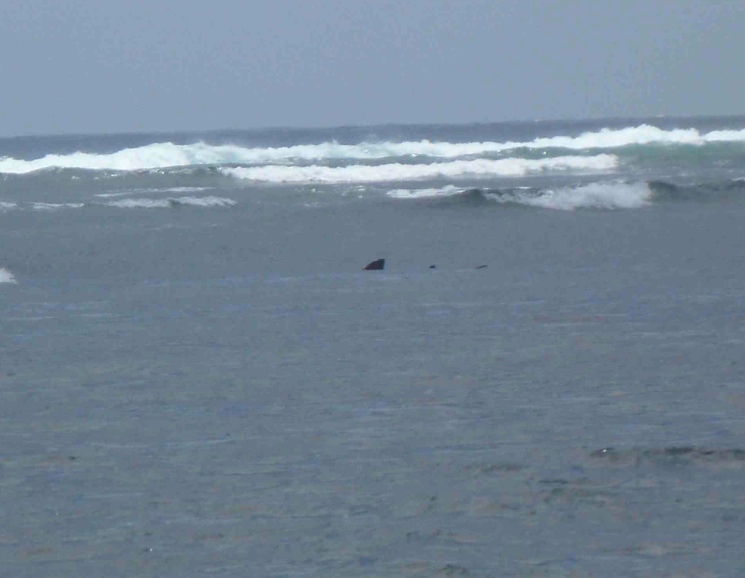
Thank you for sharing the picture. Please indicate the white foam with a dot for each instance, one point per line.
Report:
(613, 138)
(447, 191)
(141, 203)
(153, 156)
(639, 135)
(610, 195)
(725, 136)
(55, 206)
(182, 189)
(7, 206)
(402, 172)
(169, 155)
(152, 190)
(112, 195)
(171, 202)
(206, 201)
(6, 276)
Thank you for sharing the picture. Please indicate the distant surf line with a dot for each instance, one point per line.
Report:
(164, 155)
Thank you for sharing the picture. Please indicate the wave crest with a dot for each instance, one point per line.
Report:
(7, 206)
(400, 172)
(604, 195)
(38, 206)
(613, 195)
(6, 276)
(171, 203)
(168, 155)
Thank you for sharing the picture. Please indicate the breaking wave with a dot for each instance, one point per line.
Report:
(55, 206)
(639, 135)
(171, 203)
(127, 203)
(151, 191)
(403, 172)
(169, 155)
(591, 196)
(152, 156)
(604, 195)
(432, 193)
(598, 195)
(7, 206)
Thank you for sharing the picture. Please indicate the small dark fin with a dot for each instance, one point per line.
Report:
(433, 266)
(377, 265)
(481, 267)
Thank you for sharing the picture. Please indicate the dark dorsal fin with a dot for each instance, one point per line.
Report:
(377, 265)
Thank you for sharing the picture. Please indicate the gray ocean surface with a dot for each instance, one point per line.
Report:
(198, 379)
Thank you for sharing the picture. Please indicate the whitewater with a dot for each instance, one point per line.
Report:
(165, 155)
(545, 379)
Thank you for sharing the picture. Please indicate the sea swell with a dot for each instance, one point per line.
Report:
(125, 203)
(169, 155)
(600, 195)
(510, 167)
(558, 166)
(135, 203)
(596, 195)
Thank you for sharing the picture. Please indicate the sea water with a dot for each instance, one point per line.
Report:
(197, 377)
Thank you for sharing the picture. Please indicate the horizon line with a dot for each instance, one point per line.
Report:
(269, 128)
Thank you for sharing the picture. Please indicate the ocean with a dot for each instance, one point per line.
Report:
(197, 378)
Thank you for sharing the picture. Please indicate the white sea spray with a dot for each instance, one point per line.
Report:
(6, 276)
(408, 172)
(164, 155)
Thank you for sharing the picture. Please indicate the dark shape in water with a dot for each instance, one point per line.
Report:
(482, 267)
(452, 570)
(670, 455)
(377, 265)
(433, 266)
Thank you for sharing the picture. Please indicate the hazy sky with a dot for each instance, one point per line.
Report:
(72, 66)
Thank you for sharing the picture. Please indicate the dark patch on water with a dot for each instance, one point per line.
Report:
(717, 191)
(452, 570)
(498, 468)
(674, 455)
